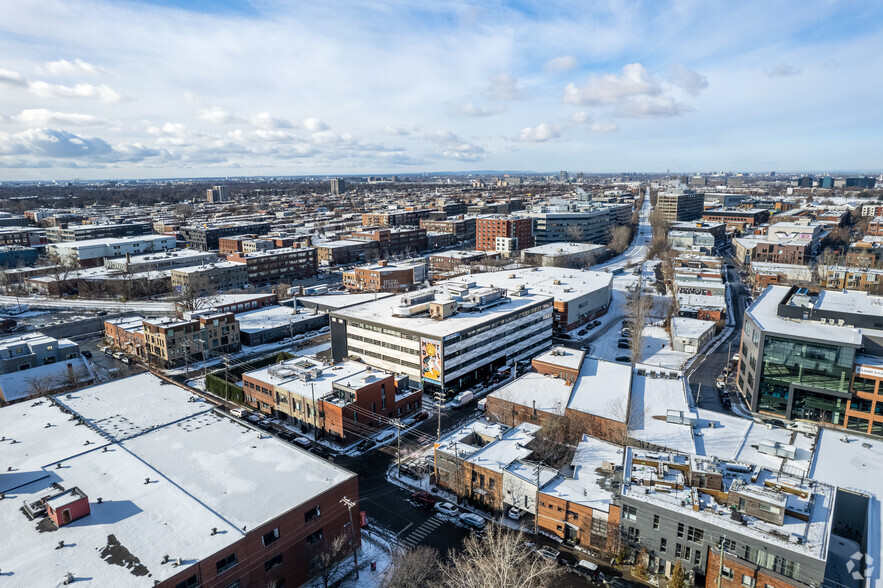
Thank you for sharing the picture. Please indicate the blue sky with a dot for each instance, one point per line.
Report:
(160, 88)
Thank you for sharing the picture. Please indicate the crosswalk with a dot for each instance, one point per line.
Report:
(419, 534)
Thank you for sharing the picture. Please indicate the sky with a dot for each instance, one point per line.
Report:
(96, 89)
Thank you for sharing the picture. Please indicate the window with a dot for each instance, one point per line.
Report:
(697, 556)
(629, 513)
(663, 544)
(234, 584)
(680, 529)
(678, 549)
(312, 514)
(226, 563)
(726, 544)
(747, 581)
(727, 573)
(695, 535)
(270, 538)
(190, 582)
(273, 562)
(634, 534)
(768, 508)
(314, 537)
(687, 552)
(655, 522)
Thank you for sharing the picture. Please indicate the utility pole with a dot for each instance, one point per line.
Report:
(397, 423)
(226, 375)
(349, 506)
(186, 348)
(720, 567)
(313, 392)
(439, 396)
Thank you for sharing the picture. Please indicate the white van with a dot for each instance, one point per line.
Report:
(482, 404)
(239, 412)
(462, 399)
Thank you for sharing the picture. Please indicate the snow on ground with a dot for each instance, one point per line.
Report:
(657, 349)
(837, 572)
(376, 548)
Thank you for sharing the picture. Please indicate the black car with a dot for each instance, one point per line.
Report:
(774, 422)
(86, 353)
(726, 402)
(321, 450)
(624, 358)
(622, 345)
(287, 436)
(365, 445)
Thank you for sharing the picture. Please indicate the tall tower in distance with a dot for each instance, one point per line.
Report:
(337, 186)
(216, 194)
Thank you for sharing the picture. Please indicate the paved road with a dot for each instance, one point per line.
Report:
(79, 303)
(707, 371)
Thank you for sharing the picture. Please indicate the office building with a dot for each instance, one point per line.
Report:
(65, 233)
(447, 337)
(206, 237)
(506, 235)
(338, 186)
(584, 225)
(680, 205)
(278, 265)
(93, 252)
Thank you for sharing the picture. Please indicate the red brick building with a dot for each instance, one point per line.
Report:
(394, 241)
(399, 218)
(516, 232)
(276, 265)
(232, 244)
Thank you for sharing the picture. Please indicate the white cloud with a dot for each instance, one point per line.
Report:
(103, 93)
(217, 116)
(41, 117)
(540, 133)
(12, 78)
(72, 68)
(783, 70)
(503, 87)
(396, 131)
(659, 107)
(560, 64)
(52, 143)
(265, 120)
(449, 146)
(470, 109)
(609, 89)
(580, 117)
(690, 81)
(603, 129)
(314, 125)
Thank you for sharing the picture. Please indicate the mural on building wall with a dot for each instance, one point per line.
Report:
(431, 360)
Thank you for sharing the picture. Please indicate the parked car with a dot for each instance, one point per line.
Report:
(589, 327)
(622, 345)
(624, 358)
(424, 498)
(548, 553)
(286, 436)
(421, 416)
(516, 513)
(596, 323)
(774, 422)
(624, 340)
(472, 520)
(321, 451)
(447, 509)
(587, 569)
(365, 445)
(86, 353)
(324, 330)
(303, 442)
(623, 583)
(126, 360)
(386, 436)
(264, 424)
(625, 332)
(582, 332)
(726, 402)
(239, 412)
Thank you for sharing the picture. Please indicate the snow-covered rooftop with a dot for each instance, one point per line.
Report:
(652, 398)
(602, 389)
(689, 327)
(269, 317)
(587, 487)
(562, 356)
(512, 446)
(561, 283)
(550, 394)
(562, 248)
(764, 312)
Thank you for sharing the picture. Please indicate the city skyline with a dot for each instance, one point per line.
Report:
(166, 88)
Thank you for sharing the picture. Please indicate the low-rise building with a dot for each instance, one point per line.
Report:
(12, 256)
(386, 277)
(457, 260)
(206, 237)
(462, 228)
(573, 255)
(737, 218)
(165, 486)
(840, 277)
(159, 261)
(23, 352)
(347, 251)
(345, 401)
(23, 237)
(690, 335)
(91, 253)
(394, 241)
(220, 275)
(277, 265)
(173, 342)
(72, 232)
(274, 323)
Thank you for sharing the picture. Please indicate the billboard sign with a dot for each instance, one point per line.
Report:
(431, 360)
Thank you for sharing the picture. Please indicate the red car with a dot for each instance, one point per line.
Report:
(424, 498)
(421, 416)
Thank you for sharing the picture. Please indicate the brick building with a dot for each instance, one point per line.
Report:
(463, 229)
(398, 218)
(394, 241)
(276, 265)
(347, 251)
(852, 278)
(386, 277)
(207, 237)
(504, 234)
(737, 218)
(172, 342)
(232, 244)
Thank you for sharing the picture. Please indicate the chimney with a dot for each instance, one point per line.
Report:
(534, 408)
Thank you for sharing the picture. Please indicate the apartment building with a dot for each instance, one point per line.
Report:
(397, 218)
(347, 251)
(677, 206)
(386, 277)
(174, 466)
(172, 342)
(807, 355)
(394, 241)
(875, 226)
(23, 352)
(504, 234)
(92, 253)
(207, 236)
(446, 337)
(278, 265)
(21, 236)
(127, 334)
(736, 523)
(738, 219)
(232, 244)
(65, 233)
(220, 275)
(346, 401)
(864, 279)
(463, 229)
(583, 225)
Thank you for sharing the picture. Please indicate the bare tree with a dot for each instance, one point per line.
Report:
(412, 568)
(199, 293)
(630, 414)
(63, 267)
(329, 557)
(638, 308)
(500, 559)
(620, 238)
(574, 233)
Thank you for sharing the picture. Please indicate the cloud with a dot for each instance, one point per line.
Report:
(12, 78)
(783, 70)
(396, 131)
(217, 116)
(470, 109)
(608, 89)
(503, 87)
(314, 125)
(603, 129)
(560, 64)
(660, 107)
(41, 117)
(52, 143)
(72, 68)
(579, 118)
(449, 146)
(265, 120)
(103, 93)
(690, 81)
(539, 134)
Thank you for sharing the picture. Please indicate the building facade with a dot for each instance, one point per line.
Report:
(503, 234)
(276, 265)
(683, 206)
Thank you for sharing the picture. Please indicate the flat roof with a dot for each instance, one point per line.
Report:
(18, 385)
(602, 389)
(689, 327)
(556, 249)
(572, 284)
(109, 241)
(270, 317)
(562, 356)
(205, 470)
(550, 394)
(587, 487)
(652, 398)
(764, 312)
(498, 454)
(342, 299)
